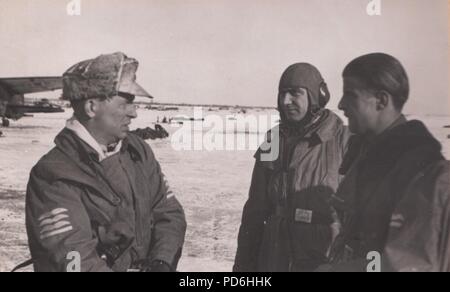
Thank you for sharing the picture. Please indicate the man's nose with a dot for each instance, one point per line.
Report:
(287, 98)
(132, 111)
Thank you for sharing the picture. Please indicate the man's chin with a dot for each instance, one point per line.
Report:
(294, 118)
(352, 128)
(122, 135)
(355, 129)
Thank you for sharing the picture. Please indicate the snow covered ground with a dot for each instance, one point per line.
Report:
(211, 185)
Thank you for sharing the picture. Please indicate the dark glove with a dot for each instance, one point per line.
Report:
(156, 266)
(114, 240)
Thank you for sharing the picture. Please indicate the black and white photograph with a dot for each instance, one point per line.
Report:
(231, 136)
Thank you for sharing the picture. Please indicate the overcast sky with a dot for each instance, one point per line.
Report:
(230, 51)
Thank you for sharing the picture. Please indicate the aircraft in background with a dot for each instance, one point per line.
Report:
(12, 100)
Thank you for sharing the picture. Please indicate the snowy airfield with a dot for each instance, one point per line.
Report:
(211, 185)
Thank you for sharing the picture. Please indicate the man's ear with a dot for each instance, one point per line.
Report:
(383, 99)
(91, 107)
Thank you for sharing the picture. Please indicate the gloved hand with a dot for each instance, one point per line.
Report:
(156, 266)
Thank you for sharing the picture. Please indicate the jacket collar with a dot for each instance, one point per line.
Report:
(401, 137)
(81, 132)
(323, 127)
(79, 150)
(324, 130)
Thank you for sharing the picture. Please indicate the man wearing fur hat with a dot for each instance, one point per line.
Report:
(287, 222)
(100, 193)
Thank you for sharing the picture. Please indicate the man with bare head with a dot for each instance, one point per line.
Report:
(395, 198)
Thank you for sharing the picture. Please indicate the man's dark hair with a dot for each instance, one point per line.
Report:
(380, 71)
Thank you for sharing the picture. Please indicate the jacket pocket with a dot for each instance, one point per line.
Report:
(309, 224)
(310, 242)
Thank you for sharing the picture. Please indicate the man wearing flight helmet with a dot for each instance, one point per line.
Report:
(287, 223)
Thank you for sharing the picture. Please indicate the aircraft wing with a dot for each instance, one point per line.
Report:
(24, 85)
